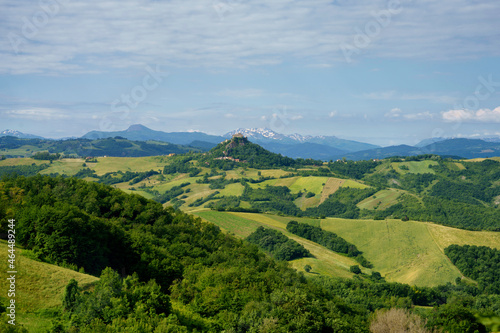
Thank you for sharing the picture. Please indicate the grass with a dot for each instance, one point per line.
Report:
(446, 236)
(455, 166)
(353, 184)
(243, 224)
(401, 252)
(304, 203)
(232, 189)
(21, 161)
(135, 164)
(308, 184)
(67, 166)
(408, 252)
(381, 200)
(331, 186)
(39, 288)
(414, 166)
(237, 225)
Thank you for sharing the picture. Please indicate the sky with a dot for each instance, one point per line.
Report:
(383, 72)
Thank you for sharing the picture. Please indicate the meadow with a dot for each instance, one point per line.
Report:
(39, 288)
(407, 252)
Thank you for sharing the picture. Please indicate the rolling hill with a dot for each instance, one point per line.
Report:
(142, 133)
(240, 186)
(117, 146)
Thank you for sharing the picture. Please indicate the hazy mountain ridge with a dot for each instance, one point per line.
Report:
(18, 134)
(265, 135)
(142, 133)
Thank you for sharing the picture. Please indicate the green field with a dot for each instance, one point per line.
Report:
(353, 184)
(324, 262)
(21, 161)
(408, 252)
(414, 166)
(39, 288)
(381, 200)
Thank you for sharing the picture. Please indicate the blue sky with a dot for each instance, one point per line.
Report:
(384, 72)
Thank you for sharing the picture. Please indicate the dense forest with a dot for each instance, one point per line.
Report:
(158, 257)
(277, 245)
(479, 263)
(231, 153)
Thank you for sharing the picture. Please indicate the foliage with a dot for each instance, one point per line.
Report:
(351, 169)
(480, 263)
(342, 203)
(277, 244)
(455, 319)
(22, 170)
(355, 269)
(328, 239)
(115, 302)
(239, 150)
(46, 156)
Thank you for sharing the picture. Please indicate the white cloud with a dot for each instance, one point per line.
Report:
(94, 35)
(332, 114)
(37, 114)
(394, 113)
(481, 115)
(420, 116)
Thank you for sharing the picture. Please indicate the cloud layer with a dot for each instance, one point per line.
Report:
(67, 36)
(481, 115)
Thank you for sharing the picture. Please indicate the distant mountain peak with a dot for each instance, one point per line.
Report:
(137, 128)
(267, 136)
(17, 134)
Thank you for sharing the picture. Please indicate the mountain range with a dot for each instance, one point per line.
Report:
(304, 146)
(18, 134)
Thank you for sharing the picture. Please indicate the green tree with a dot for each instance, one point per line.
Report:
(355, 269)
(71, 295)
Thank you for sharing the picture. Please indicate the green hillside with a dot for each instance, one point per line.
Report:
(117, 146)
(40, 288)
(405, 252)
(205, 280)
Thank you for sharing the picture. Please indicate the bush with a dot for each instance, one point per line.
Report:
(398, 321)
(355, 269)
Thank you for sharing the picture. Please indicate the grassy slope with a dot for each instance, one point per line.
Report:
(408, 252)
(382, 199)
(414, 166)
(40, 287)
(331, 185)
(243, 224)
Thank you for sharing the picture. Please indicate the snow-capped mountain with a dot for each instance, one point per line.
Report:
(265, 135)
(18, 134)
(258, 134)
